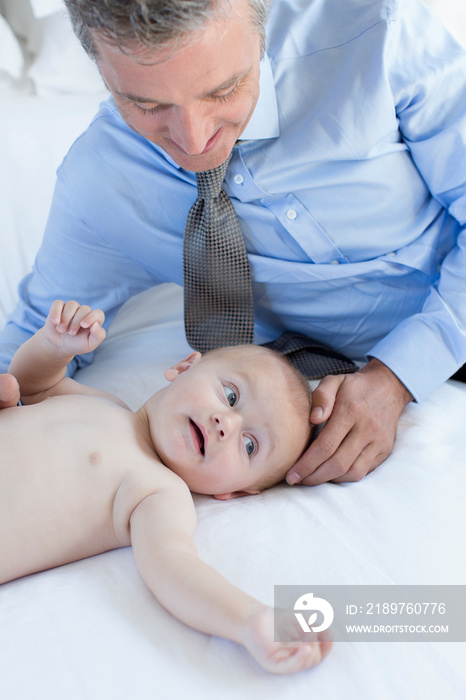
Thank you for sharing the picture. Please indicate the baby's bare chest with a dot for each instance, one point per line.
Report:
(68, 433)
(70, 455)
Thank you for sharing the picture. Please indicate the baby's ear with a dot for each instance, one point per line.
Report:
(236, 494)
(173, 372)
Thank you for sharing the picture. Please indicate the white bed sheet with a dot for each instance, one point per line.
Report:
(91, 630)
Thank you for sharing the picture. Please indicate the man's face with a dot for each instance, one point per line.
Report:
(194, 102)
(227, 421)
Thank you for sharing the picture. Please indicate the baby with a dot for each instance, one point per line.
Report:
(81, 474)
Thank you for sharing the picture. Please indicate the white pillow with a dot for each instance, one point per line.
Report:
(453, 15)
(58, 64)
(20, 17)
(43, 8)
(11, 56)
(61, 65)
(35, 134)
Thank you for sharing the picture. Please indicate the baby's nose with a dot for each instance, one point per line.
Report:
(224, 424)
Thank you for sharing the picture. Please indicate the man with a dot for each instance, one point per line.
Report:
(349, 183)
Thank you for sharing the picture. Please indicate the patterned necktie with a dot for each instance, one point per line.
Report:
(312, 358)
(218, 303)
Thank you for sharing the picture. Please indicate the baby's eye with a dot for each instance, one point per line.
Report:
(231, 394)
(250, 444)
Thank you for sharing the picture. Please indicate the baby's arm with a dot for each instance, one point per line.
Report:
(162, 528)
(40, 363)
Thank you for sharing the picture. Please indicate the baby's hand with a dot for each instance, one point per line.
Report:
(290, 656)
(74, 329)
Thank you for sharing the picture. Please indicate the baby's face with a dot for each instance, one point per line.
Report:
(227, 421)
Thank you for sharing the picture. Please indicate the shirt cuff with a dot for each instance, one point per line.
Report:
(422, 358)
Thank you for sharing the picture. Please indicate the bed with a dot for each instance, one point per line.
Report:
(91, 630)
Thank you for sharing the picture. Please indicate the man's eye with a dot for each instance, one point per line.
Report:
(226, 95)
(148, 110)
(231, 394)
(250, 444)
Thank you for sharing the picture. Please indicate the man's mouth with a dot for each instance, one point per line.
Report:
(198, 436)
(208, 147)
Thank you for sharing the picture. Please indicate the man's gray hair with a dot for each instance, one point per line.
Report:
(151, 23)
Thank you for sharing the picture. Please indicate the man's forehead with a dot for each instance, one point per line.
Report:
(175, 77)
(139, 52)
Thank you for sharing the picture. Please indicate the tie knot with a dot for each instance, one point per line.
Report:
(209, 182)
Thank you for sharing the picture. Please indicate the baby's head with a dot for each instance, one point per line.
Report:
(233, 421)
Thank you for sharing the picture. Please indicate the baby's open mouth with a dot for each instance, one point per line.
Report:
(198, 437)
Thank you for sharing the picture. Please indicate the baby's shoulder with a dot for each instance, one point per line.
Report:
(147, 476)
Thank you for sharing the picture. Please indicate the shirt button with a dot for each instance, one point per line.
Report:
(334, 262)
(392, 254)
(239, 179)
(291, 214)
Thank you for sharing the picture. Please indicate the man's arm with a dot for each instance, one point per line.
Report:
(428, 87)
(362, 412)
(162, 528)
(77, 257)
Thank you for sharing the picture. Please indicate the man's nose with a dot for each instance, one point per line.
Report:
(191, 127)
(225, 424)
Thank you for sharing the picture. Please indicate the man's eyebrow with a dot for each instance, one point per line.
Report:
(150, 100)
(136, 98)
(229, 83)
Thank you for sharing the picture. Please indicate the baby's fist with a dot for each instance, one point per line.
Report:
(74, 328)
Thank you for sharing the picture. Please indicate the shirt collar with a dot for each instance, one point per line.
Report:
(264, 121)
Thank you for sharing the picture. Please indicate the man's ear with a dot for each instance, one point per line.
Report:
(173, 372)
(236, 494)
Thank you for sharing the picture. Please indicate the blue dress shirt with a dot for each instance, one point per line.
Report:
(350, 187)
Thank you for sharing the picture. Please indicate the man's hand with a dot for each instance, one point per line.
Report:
(73, 329)
(9, 391)
(362, 412)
